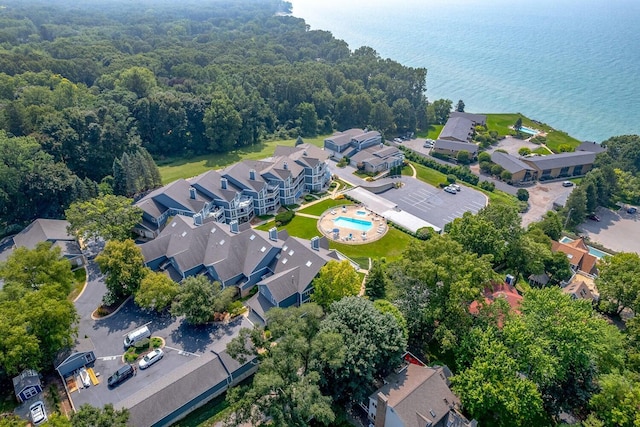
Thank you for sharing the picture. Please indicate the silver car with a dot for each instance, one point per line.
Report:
(38, 413)
(450, 190)
(151, 358)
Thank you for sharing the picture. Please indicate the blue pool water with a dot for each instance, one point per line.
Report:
(593, 251)
(528, 130)
(361, 213)
(352, 223)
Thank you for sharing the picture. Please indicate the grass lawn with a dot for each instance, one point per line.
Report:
(79, 278)
(428, 175)
(390, 246)
(432, 133)
(407, 171)
(172, 169)
(555, 138)
(320, 207)
(541, 150)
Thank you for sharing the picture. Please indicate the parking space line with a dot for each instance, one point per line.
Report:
(182, 352)
(109, 357)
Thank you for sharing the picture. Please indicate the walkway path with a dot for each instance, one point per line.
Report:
(414, 173)
(307, 215)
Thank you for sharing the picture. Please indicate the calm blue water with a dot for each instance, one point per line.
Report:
(352, 223)
(573, 64)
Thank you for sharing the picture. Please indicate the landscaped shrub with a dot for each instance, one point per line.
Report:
(451, 179)
(487, 185)
(462, 173)
(486, 167)
(523, 151)
(425, 233)
(523, 195)
(235, 308)
(496, 170)
(505, 175)
(539, 139)
(484, 157)
(309, 198)
(156, 342)
(284, 218)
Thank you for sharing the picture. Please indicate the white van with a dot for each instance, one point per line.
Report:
(137, 335)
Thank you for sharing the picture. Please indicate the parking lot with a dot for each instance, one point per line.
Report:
(616, 230)
(433, 204)
(183, 344)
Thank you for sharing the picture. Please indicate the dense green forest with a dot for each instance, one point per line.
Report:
(82, 84)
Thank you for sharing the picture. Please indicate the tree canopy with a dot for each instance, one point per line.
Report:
(108, 217)
(198, 299)
(336, 279)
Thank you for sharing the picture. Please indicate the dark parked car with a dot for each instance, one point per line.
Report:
(122, 374)
(594, 217)
(632, 210)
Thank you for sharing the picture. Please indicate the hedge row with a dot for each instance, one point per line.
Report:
(462, 173)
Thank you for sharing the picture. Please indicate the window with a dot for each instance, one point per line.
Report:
(30, 392)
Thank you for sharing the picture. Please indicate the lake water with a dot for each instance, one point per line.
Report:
(573, 64)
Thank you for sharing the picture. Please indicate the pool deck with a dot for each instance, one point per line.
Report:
(350, 236)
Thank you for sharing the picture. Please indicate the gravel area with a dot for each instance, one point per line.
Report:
(541, 198)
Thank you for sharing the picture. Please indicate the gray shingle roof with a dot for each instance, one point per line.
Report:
(416, 391)
(591, 146)
(305, 154)
(509, 162)
(457, 128)
(479, 119)
(42, 230)
(240, 173)
(455, 146)
(344, 138)
(173, 390)
(210, 181)
(560, 160)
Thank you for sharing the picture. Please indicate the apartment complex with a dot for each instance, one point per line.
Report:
(238, 192)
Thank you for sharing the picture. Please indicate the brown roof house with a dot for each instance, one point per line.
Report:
(578, 254)
(416, 396)
(582, 286)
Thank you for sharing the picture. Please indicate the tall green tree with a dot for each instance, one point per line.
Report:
(377, 281)
(222, 122)
(442, 109)
(198, 299)
(138, 80)
(108, 217)
(336, 279)
(576, 208)
(436, 280)
(286, 387)
(360, 324)
(619, 282)
(157, 291)
(460, 106)
(618, 400)
(31, 269)
(123, 265)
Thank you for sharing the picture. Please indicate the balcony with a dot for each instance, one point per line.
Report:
(245, 202)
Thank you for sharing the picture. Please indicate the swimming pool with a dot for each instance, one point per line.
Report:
(361, 213)
(530, 131)
(593, 251)
(352, 223)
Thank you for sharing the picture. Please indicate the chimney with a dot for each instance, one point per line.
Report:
(286, 166)
(233, 226)
(381, 410)
(273, 234)
(252, 175)
(192, 192)
(223, 183)
(304, 153)
(197, 219)
(315, 243)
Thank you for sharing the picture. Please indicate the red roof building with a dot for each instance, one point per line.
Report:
(499, 290)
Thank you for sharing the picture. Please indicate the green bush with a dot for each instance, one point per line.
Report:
(496, 170)
(523, 151)
(284, 218)
(487, 185)
(523, 195)
(462, 173)
(505, 175)
(309, 198)
(235, 308)
(451, 179)
(156, 342)
(142, 344)
(130, 357)
(484, 157)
